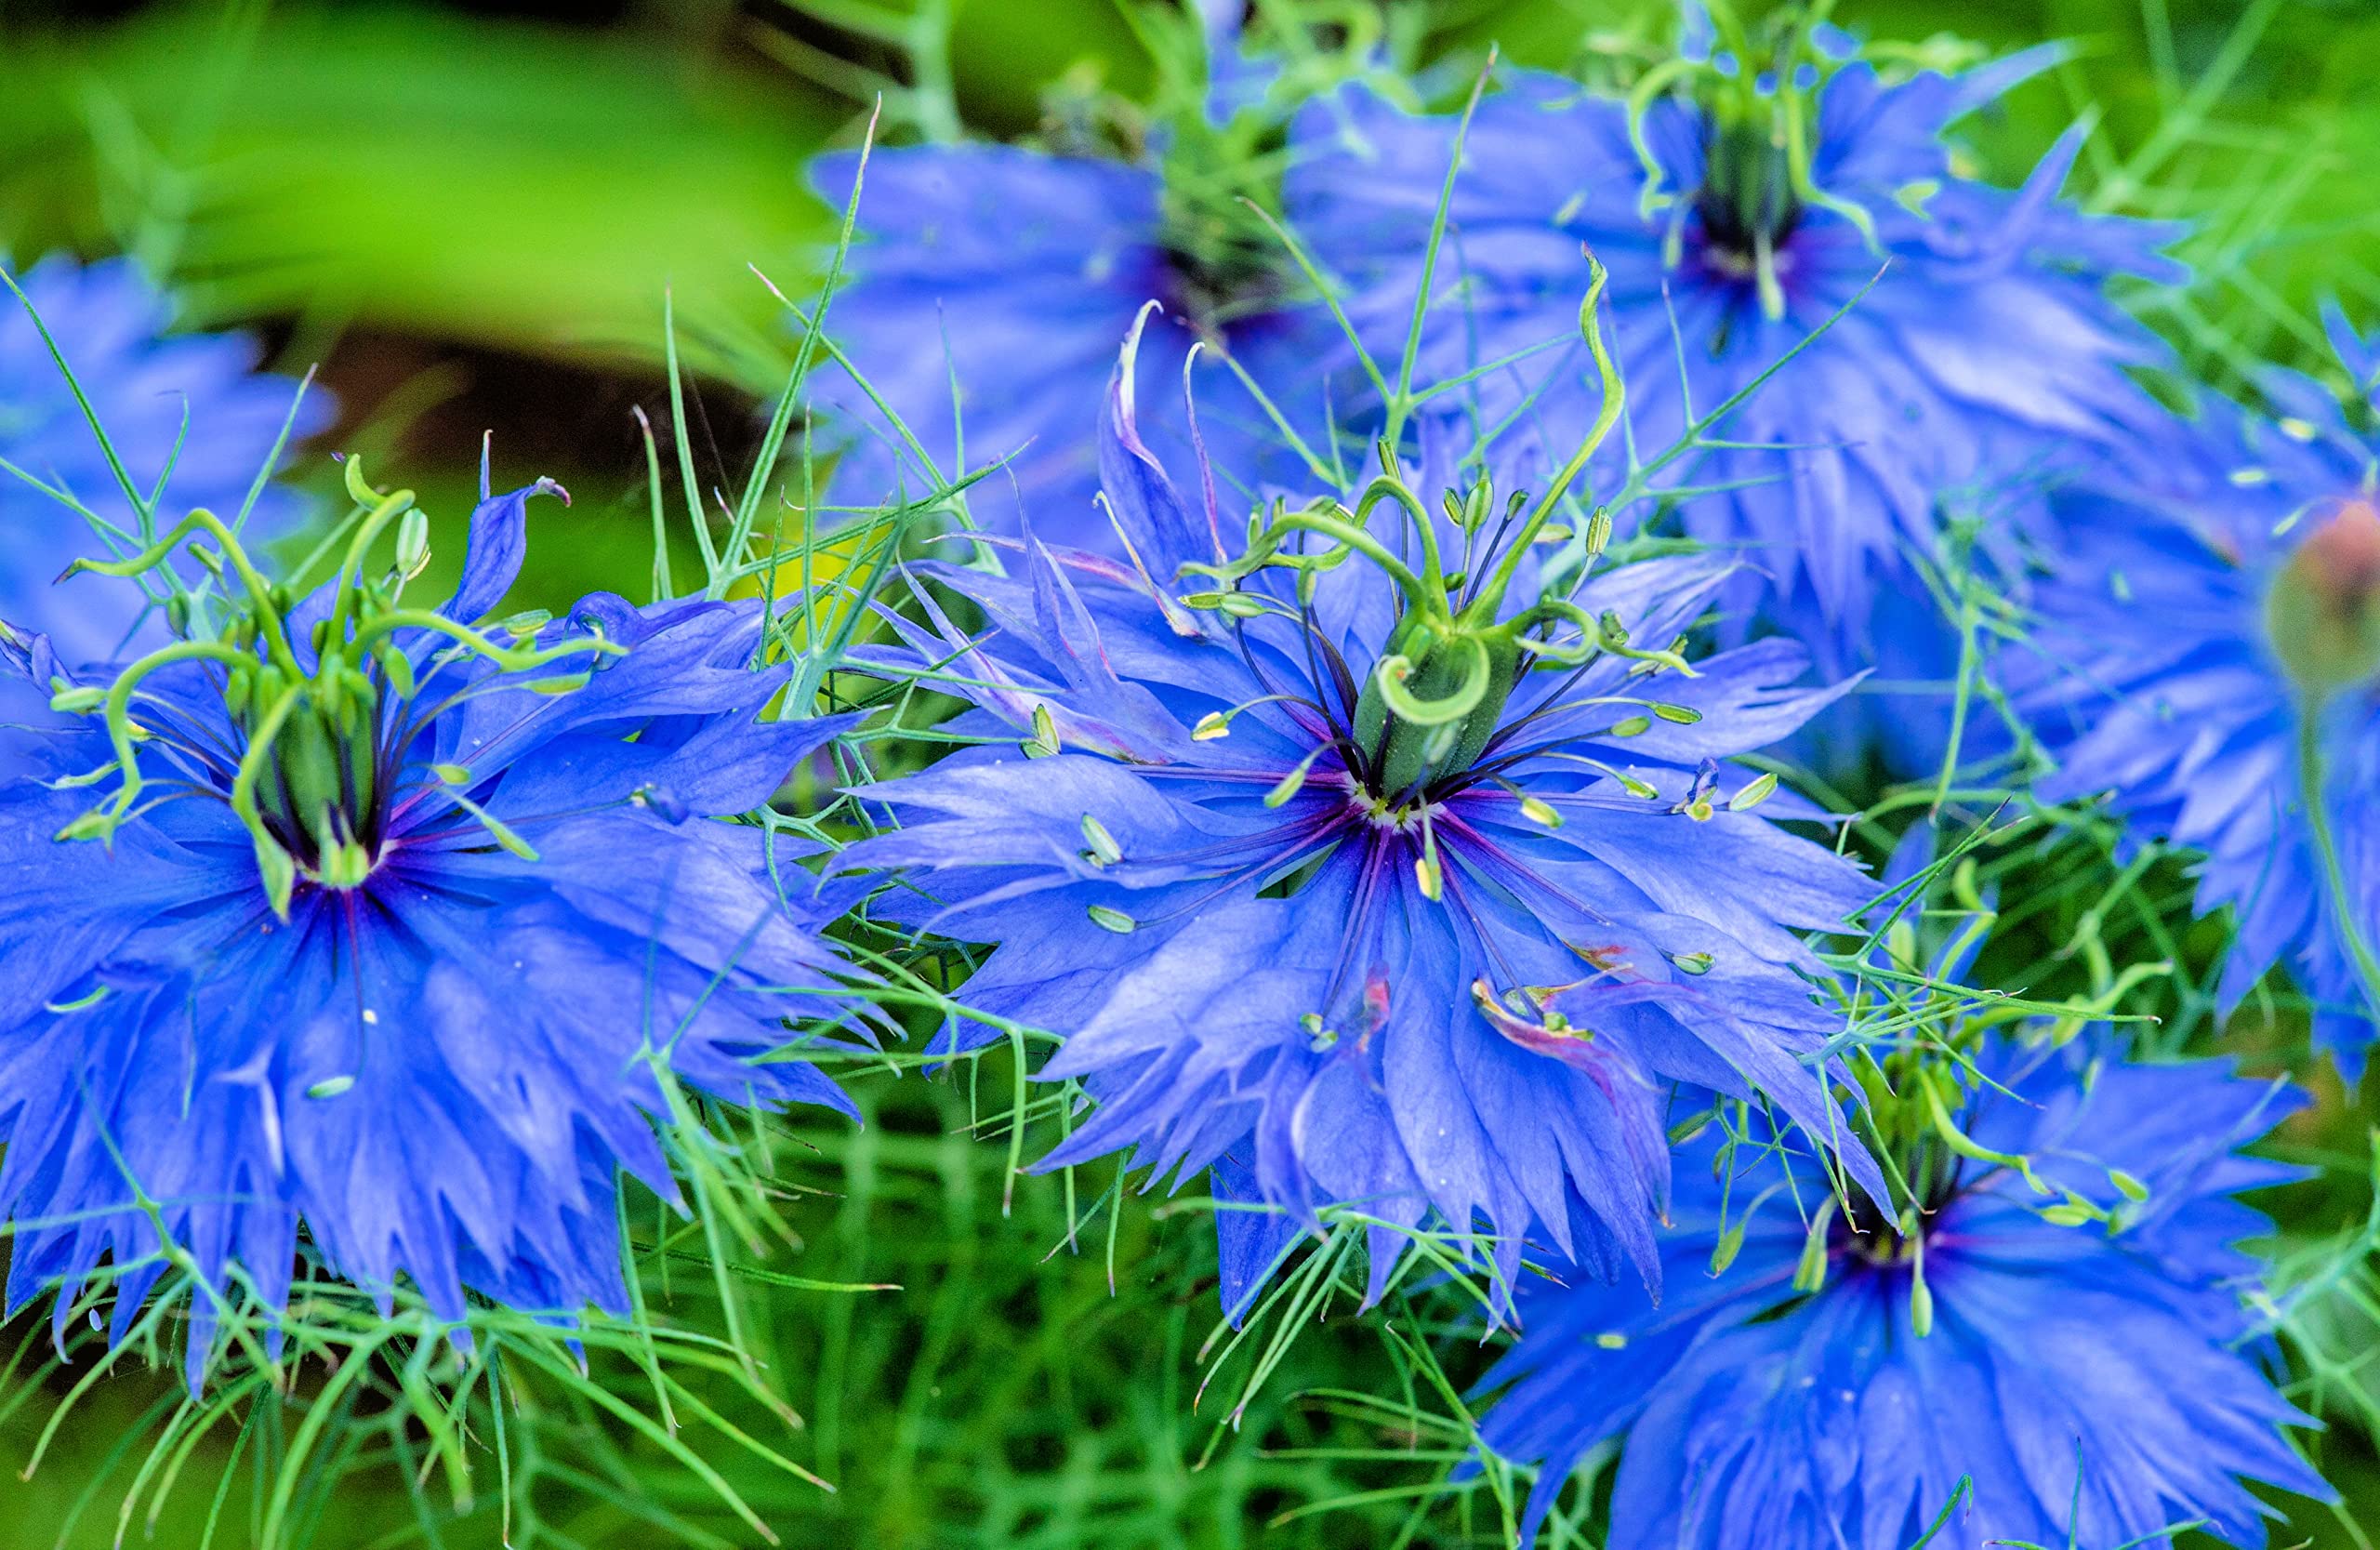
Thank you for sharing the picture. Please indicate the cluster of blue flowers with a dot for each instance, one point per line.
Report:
(1427, 543)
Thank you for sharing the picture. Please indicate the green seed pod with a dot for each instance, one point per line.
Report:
(1449, 668)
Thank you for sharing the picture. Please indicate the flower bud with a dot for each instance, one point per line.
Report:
(413, 543)
(2322, 613)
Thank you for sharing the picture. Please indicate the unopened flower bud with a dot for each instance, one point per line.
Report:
(2322, 613)
(413, 543)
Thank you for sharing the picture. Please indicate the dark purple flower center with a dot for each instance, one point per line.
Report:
(1747, 204)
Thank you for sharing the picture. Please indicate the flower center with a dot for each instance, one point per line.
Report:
(1747, 202)
(1385, 815)
(1754, 93)
(321, 696)
(1878, 1236)
(1223, 265)
(320, 793)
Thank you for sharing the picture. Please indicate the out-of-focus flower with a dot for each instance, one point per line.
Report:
(995, 282)
(2209, 640)
(188, 410)
(391, 925)
(1751, 190)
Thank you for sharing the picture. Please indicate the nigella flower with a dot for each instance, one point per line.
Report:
(2212, 642)
(367, 921)
(1394, 862)
(994, 283)
(1750, 194)
(2056, 1319)
(187, 409)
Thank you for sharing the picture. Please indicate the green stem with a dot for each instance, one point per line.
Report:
(439, 624)
(1370, 548)
(2318, 817)
(119, 701)
(384, 511)
(1389, 487)
(274, 863)
(1967, 1146)
(1615, 397)
(268, 617)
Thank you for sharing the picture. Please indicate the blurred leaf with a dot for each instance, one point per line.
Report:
(492, 183)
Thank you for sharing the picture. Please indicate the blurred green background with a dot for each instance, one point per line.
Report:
(469, 216)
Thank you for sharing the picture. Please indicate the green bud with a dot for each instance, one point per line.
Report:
(1239, 605)
(278, 870)
(1291, 784)
(345, 866)
(1730, 1244)
(1479, 503)
(1753, 794)
(2322, 613)
(1103, 851)
(1044, 741)
(413, 543)
(1112, 919)
(399, 670)
(1810, 1274)
(98, 823)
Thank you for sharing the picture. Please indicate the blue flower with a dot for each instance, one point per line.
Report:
(384, 937)
(2212, 644)
(1983, 356)
(1363, 882)
(1814, 1381)
(192, 404)
(1004, 278)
